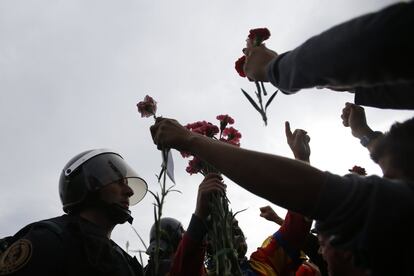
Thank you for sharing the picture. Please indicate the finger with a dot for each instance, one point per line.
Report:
(345, 123)
(302, 131)
(349, 105)
(213, 188)
(298, 135)
(153, 130)
(298, 132)
(346, 110)
(357, 108)
(264, 208)
(213, 175)
(288, 131)
(212, 180)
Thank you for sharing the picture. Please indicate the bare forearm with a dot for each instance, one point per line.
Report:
(288, 183)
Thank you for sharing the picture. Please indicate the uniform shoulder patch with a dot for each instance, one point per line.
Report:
(15, 257)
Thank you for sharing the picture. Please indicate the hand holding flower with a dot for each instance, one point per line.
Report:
(257, 60)
(168, 133)
(253, 65)
(212, 183)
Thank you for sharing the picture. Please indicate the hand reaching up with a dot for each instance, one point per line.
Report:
(268, 213)
(353, 116)
(212, 183)
(298, 142)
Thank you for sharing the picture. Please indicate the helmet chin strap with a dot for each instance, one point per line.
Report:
(116, 213)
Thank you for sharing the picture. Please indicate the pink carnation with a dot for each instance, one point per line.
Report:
(203, 128)
(224, 121)
(233, 135)
(194, 166)
(148, 107)
(225, 118)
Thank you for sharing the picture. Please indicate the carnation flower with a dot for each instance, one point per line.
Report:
(239, 66)
(225, 118)
(257, 36)
(203, 128)
(224, 121)
(194, 166)
(233, 135)
(225, 134)
(148, 107)
(358, 170)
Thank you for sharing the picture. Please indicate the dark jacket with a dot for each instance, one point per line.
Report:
(65, 245)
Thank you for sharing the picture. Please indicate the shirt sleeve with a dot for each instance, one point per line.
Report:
(399, 96)
(372, 217)
(281, 252)
(370, 50)
(189, 257)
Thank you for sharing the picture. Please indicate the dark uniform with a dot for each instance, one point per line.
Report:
(70, 245)
(65, 245)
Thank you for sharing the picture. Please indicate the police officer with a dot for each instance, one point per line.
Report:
(171, 233)
(96, 188)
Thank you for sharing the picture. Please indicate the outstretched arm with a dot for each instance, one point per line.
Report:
(291, 184)
(370, 50)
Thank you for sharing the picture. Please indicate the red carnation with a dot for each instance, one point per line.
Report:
(239, 66)
(203, 128)
(233, 135)
(194, 166)
(224, 121)
(225, 118)
(259, 35)
(148, 107)
(227, 135)
(358, 170)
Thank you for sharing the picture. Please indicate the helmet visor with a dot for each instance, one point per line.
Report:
(107, 168)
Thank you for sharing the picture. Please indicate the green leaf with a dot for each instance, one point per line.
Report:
(271, 99)
(140, 238)
(252, 101)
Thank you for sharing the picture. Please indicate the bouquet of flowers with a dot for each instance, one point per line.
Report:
(220, 222)
(254, 39)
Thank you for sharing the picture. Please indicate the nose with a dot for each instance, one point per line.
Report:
(127, 190)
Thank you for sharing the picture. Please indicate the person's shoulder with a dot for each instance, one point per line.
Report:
(27, 251)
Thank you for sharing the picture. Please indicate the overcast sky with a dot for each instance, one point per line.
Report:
(71, 73)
